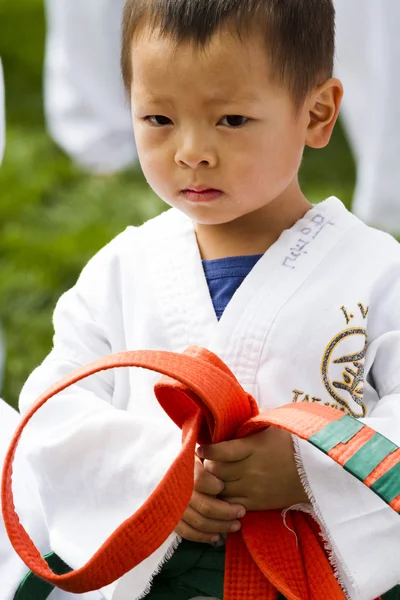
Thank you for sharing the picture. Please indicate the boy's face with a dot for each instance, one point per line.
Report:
(214, 119)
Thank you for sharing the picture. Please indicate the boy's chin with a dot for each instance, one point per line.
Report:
(209, 217)
(207, 214)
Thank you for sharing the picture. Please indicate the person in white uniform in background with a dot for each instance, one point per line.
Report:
(368, 58)
(12, 569)
(86, 111)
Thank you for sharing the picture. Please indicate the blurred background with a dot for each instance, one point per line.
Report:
(54, 215)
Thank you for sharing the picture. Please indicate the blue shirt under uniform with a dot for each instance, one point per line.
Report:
(224, 276)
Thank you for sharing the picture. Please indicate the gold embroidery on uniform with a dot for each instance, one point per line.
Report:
(348, 316)
(299, 396)
(352, 381)
(296, 395)
(348, 386)
(364, 311)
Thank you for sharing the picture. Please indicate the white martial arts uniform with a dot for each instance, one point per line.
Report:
(368, 57)
(86, 110)
(102, 446)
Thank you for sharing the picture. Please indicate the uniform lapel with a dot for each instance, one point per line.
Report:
(175, 267)
(240, 336)
(242, 331)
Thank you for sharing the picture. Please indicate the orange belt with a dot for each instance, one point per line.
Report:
(264, 557)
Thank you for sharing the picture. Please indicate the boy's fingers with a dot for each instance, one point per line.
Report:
(205, 482)
(226, 451)
(212, 508)
(206, 525)
(189, 533)
(225, 471)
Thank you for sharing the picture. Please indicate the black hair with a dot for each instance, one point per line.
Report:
(299, 34)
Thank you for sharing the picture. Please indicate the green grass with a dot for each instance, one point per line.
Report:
(53, 217)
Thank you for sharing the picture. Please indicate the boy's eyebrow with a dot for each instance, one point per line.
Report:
(217, 99)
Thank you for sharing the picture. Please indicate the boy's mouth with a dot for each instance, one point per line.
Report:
(201, 194)
(199, 189)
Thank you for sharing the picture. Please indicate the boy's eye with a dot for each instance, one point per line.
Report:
(234, 120)
(158, 120)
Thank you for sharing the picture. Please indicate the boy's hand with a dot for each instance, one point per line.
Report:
(206, 516)
(259, 472)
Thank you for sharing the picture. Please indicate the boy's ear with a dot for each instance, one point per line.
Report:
(324, 105)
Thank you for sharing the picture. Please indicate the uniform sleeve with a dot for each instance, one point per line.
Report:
(12, 569)
(362, 532)
(82, 449)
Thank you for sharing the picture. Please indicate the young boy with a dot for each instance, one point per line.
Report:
(225, 96)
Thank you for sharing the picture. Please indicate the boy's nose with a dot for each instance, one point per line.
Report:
(195, 154)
